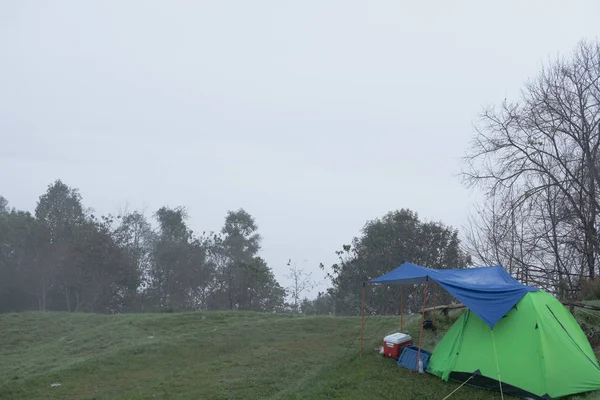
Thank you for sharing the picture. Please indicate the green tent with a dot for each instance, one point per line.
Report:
(536, 350)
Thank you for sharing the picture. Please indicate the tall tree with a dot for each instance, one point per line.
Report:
(386, 243)
(245, 282)
(538, 160)
(180, 272)
(3, 205)
(107, 277)
(75, 263)
(134, 233)
(60, 209)
(61, 214)
(17, 256)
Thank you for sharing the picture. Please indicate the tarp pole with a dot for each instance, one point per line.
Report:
(422, 321)
(362, 323)
(401, 305)
(434, 296)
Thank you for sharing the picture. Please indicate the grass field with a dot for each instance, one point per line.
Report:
(215, 355)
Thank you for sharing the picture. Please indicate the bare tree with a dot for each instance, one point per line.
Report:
(538, 160)
(301, 282)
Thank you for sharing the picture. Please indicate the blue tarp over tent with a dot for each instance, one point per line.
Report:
(490, 292)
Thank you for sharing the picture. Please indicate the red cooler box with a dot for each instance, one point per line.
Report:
(393, 344)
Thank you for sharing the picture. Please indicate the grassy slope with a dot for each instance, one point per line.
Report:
(206, 356)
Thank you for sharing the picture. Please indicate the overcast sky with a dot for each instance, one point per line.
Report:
(314, 116)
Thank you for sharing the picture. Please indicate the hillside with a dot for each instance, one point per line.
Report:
(216, 355)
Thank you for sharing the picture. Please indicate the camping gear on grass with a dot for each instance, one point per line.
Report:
(513, 338)
(408, 358)
(394, 343)
(428, 324)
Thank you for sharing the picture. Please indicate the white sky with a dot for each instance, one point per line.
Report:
(314, 116)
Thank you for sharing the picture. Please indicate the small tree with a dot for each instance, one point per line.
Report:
(301, 282)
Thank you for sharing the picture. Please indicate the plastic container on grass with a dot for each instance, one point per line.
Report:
(408, 358)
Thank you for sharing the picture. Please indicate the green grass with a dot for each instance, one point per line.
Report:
(214, 355)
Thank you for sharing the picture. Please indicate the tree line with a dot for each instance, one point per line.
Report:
(65, 258)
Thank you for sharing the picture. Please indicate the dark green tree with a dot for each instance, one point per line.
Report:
(76, 263)
(107, 277)
(322, 305)
(60, 213)
(18, 254)
(134, 233)
(385, 244)
(181, 272)
(3, 205)
(60, 209)
(244, 280)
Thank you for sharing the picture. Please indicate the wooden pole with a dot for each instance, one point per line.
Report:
(422, 321)
(579, 304)
(434, 296)
(401, 305)
(446, 307)
(362, 323)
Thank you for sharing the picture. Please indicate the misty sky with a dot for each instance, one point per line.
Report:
(314, 116)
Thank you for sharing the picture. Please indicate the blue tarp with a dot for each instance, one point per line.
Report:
(490, 292)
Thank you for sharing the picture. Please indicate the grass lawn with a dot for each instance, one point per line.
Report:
(213, 355)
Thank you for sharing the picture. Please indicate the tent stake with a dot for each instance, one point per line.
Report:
(401, 305)
(362, 323)
(422, 321)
